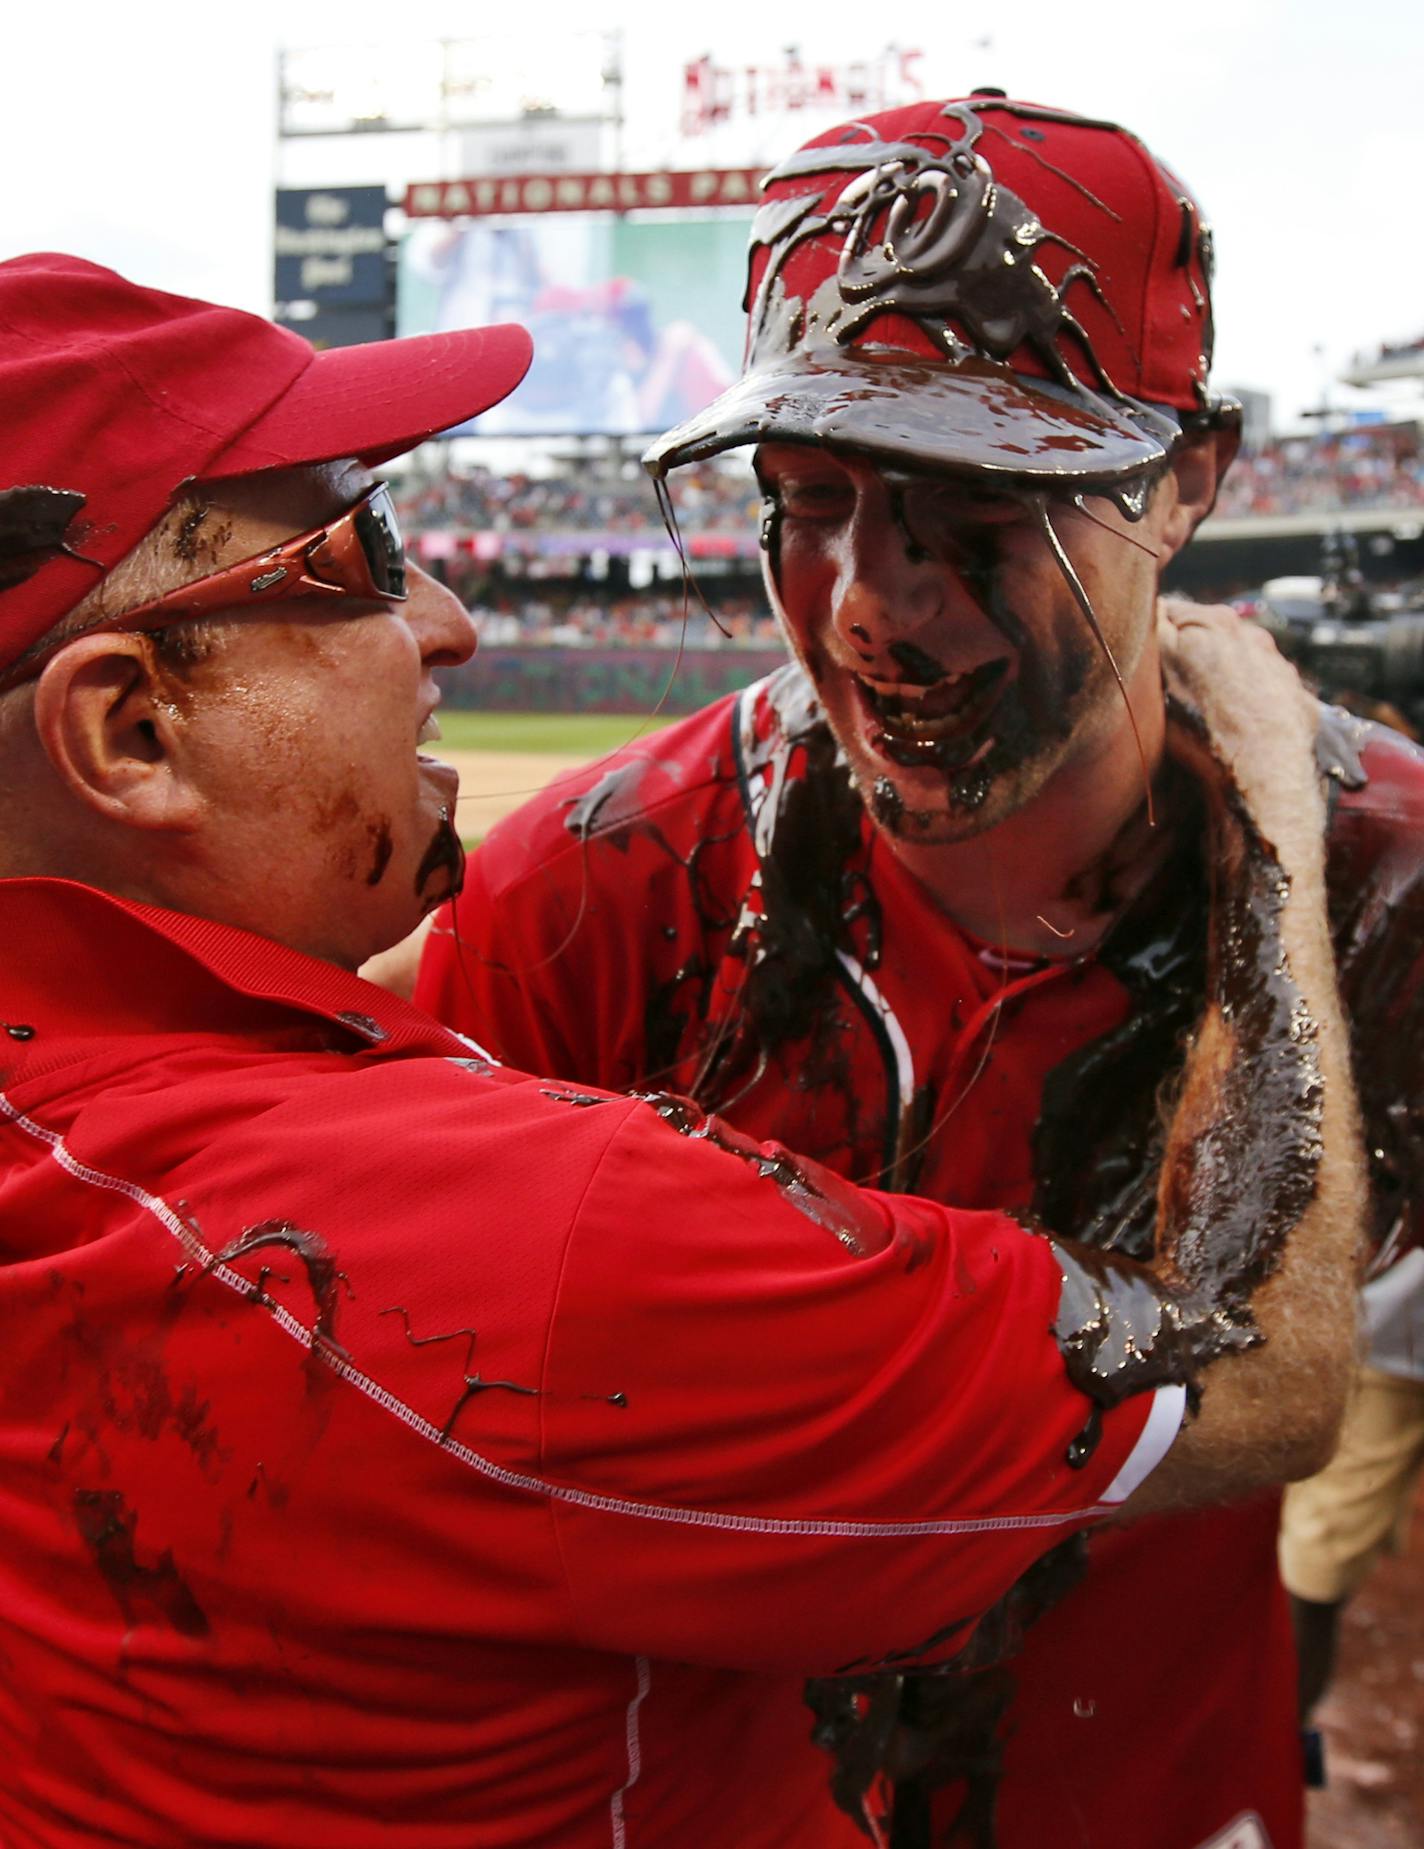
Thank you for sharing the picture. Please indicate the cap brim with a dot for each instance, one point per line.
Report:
(379, 400)
(969, 414)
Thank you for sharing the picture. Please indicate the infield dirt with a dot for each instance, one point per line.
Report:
(492, 783)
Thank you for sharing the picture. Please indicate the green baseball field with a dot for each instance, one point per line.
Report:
(503, 758)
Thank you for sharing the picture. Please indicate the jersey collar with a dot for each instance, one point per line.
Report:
(82, 962)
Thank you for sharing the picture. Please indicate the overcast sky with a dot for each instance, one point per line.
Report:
(144, 135)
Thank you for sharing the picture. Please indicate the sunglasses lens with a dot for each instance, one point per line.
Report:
(379, 533)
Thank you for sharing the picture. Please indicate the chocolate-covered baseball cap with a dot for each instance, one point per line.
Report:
(979, 284)
(114, 397)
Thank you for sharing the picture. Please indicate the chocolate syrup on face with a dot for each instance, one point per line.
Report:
(444, 855)
(1085, 604)
(916, 665)
(379, 835)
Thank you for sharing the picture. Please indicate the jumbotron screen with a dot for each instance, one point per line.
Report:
(636, 322)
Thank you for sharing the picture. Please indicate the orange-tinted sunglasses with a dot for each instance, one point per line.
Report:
(358, 554)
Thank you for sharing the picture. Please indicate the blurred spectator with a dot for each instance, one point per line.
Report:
(570, 616)
(1326, 474)
(713, 498)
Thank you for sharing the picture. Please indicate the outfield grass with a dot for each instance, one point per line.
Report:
(581, 734)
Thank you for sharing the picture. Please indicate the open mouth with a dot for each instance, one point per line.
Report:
(941, 724)
(428, 733)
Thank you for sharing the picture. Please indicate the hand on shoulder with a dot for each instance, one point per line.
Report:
(1236, 704)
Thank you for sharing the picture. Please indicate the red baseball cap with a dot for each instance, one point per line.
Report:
(114, 397)
(978, 284)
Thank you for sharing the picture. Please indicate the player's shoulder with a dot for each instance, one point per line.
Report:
(668, 789)
(1377, 778)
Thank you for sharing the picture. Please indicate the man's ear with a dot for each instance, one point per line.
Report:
(1198, 467)
(107, 720)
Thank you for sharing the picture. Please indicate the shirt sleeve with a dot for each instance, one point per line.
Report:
(845, 1426)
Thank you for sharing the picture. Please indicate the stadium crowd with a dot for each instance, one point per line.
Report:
(1328, 474)
(573, 618)
(500, 539)
(619, 500)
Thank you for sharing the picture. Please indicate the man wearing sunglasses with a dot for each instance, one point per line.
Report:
(932, 904)
(400, 1450)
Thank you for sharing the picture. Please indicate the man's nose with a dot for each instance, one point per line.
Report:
(442, 625)
(888, 589)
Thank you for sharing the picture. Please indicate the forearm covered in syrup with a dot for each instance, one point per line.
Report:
(1244, 1151)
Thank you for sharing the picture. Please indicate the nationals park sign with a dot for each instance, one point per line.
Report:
(584, 192)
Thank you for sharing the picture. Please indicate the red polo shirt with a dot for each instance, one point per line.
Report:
(397, 1450)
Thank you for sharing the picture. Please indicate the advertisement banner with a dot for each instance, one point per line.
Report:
(330, 246)
(636, 323)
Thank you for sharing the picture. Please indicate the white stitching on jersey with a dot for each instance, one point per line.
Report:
(635, 1754)
(889, 1020)
(175, 1224)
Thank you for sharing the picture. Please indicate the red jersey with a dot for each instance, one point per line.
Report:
(712, 911)
(397, 1450)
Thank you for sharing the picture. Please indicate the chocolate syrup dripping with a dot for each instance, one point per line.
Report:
(915, 552)
(930, 1728)
(675, 1007)
(444, 854)
(612, 807)
(471, 1384)
(1099, 1140)
(968, 258)
(320, 1267)
(690, 586)
(379, 834)
(916, 664)
(1039, 503)
(1097, 1150)
(833, 1204)
(815, 904)
(1230, 1200)
(612, 811)
(1068, 179)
